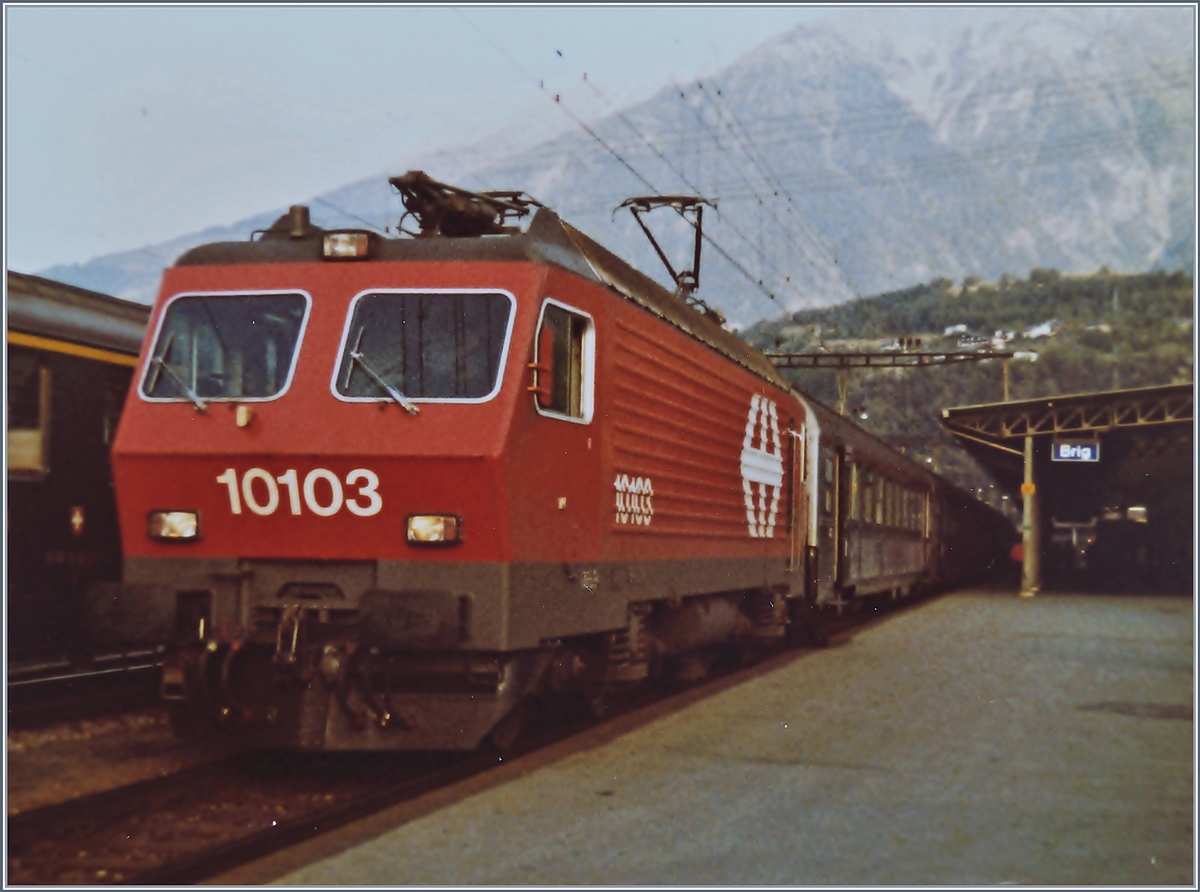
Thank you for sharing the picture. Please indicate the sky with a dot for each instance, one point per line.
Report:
(127, 126)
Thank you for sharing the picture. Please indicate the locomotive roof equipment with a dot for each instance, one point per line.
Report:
(686, 280)
(446, 210)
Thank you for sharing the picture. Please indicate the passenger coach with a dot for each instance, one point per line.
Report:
(71, 354)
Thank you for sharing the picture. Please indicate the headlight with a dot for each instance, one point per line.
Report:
(434, 529)
(171, 525)
(347, 245)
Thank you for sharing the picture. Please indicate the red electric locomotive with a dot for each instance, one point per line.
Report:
(380, 492)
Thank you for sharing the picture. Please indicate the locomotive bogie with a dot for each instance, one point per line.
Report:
(313, 692)
(344, 697)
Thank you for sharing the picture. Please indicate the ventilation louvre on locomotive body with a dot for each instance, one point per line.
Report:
(382, 493)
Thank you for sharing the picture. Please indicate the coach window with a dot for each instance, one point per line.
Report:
(564, 363)
(28, 414)
(827, 487)
(855, 506)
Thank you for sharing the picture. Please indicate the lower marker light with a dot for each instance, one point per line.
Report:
(433, 529)
(174, 525)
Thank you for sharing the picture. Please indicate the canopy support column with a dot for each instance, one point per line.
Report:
(1031, 538)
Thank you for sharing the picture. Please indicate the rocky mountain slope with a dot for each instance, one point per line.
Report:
(875, 150)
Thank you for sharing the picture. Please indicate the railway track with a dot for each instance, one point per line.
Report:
(39, 694)
(200, 822)
(210, 819)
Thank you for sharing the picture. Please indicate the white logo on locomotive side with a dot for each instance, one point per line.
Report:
(762, 467)
(634, 499)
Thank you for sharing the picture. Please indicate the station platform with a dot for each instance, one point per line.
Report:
(972, 739)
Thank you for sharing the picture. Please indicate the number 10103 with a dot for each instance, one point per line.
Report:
(321, 491)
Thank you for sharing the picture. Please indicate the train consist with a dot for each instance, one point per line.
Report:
(382, 493)
(71, 355)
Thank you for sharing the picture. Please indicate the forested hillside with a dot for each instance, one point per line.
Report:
(1073, 334)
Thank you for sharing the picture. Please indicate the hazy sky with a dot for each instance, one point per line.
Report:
(126, 126)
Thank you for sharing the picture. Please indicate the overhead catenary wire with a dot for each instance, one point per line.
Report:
(765, 170)
(898, 174)
(806, 232)
(682, 176)
(839, 125)
(798, 237)
(888, 118)
(558, 102)
(715, 137)
(347, 213)
(951, 163)
(811, 127)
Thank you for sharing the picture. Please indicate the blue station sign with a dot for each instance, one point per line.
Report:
(1075, 450)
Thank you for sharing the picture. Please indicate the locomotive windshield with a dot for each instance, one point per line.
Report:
(225, 347)
(433, 345)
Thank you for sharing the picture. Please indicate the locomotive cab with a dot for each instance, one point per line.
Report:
(315, 482)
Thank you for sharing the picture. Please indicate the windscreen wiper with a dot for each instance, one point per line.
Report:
(356, 356)
(161, 364)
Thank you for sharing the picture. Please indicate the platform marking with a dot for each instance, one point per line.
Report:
(762, 465)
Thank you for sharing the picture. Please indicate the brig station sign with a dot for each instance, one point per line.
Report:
(1075, 450)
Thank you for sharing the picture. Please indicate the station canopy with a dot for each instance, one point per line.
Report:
(1120, 456)
(1135, 423)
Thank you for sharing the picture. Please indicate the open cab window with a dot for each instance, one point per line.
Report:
(29, 383)
(225, 347)
(564, 363)
(430, 345)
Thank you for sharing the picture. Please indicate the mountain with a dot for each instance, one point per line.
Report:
(874, 150)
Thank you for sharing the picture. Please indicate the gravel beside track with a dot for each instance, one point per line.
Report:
(184, 827)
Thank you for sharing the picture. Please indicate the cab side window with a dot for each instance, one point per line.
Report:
(28, 414)
(564, 363)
